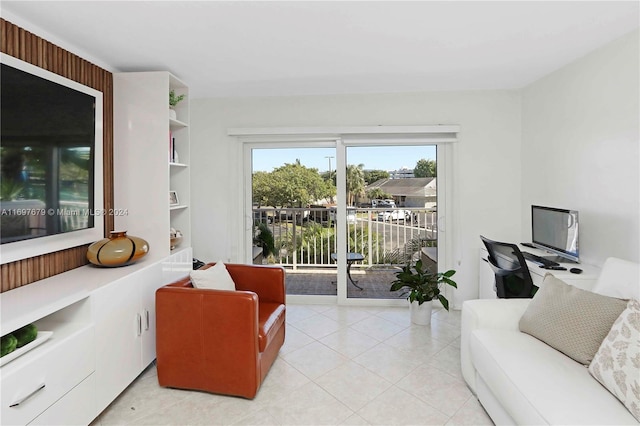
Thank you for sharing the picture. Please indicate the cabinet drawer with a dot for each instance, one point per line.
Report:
(75, 408)
(32, 383)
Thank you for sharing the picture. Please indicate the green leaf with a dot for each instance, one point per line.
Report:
(418, 266)
(444, 301)
(450, 282)
(395, 286)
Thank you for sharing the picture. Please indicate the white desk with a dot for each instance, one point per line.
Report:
(585, 280)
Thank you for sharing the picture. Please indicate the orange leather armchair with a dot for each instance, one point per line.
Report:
(221, 341)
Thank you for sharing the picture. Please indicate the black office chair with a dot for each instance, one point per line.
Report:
(513, 279)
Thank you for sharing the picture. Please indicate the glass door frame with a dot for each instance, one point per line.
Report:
(444, 196)
(288, 143)
(446, 209)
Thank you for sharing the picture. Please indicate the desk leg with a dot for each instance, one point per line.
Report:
(349, 275)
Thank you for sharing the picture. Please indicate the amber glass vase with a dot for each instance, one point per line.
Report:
(119, 249)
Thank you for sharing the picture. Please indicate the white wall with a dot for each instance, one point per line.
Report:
(486, 187)
(581, 148)
(74, 48)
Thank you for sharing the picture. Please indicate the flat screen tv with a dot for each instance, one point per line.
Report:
(51, 181)
(556, 230)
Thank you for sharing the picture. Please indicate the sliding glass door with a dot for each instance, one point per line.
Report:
(391, 194)
(293, 215)
(341, 218)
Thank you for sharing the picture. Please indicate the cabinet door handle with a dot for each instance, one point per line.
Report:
(147, 324)
(21, 400)
(139, 324)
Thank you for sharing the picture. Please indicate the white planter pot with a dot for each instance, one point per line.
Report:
(172, 114)
(421, 314)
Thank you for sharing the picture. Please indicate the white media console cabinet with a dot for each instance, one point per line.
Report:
(103, 325)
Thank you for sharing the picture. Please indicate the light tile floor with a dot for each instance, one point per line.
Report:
(338, 366)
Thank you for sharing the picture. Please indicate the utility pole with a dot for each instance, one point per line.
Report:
(330, 180)
(329, 157)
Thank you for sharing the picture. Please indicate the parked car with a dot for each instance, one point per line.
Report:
(383, 203)
(390, 215)
(351, 214)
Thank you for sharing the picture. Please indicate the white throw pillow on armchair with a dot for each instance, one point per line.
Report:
(215, 278)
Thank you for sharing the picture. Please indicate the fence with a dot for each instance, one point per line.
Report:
(384, 236)
(75, 215)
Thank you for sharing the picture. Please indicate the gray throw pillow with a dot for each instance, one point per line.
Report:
(569, 319)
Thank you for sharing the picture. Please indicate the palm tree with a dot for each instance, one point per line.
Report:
(355, 182)
(377, 194)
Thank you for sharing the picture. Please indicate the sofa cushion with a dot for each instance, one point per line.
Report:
(569, 319)
(270, 319)
(537, 384)
(617, 363)
(619, 278)
(215, 278)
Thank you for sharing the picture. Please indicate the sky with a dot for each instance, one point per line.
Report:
(373, 158)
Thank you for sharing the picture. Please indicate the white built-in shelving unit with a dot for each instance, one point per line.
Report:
(151, 158)
(179, 174)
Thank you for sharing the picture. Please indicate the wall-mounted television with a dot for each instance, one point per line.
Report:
(556, 230)
(51, 177)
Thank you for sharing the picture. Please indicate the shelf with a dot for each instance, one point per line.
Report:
(178, 165)
(177, 124)
(41, 337)
(180, 207)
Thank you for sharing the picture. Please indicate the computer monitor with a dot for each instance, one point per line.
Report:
(556, 230)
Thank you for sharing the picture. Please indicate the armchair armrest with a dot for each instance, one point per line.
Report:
(501, 314)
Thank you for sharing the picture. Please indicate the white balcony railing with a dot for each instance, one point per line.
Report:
(75, 215)
(385, 236)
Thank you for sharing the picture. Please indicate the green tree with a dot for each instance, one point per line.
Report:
(355, 182)
(371, 176)
(425, 168)
(329, 176)
(377, 194)
(291, 185)
(261, 183)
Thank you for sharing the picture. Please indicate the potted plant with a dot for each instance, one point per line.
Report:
(173, 101)
(422, 287)
(10, 189)
(264, 239)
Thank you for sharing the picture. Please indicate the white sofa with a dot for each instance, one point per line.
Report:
(520, 380)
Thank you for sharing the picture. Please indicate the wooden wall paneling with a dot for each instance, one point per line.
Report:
(19, 43)
(4, 280)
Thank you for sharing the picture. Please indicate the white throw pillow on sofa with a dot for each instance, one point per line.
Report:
(616, 365)
(215, 278)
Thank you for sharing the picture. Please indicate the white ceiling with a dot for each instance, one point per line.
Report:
(268, 48)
